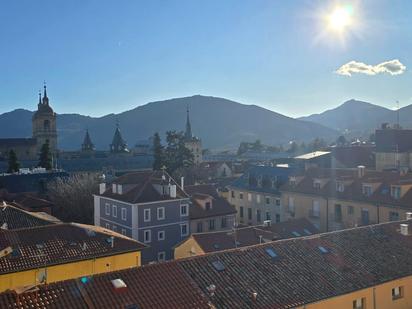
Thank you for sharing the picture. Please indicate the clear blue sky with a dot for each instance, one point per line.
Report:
(104, 56)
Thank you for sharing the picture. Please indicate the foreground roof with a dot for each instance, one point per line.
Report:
(13, 218)
(283, 274)
(59, 244)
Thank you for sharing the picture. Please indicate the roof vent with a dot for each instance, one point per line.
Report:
(405, 229)
(119, 285)
(211, 289)
(408, 215)
(254, 296)
(4, 226)
(218, 265)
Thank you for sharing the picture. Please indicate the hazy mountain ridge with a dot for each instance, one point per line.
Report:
(221, 123)
(358, 117)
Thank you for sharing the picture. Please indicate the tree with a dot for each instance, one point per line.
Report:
(73, 197)
(177, 155)
(341, 141)
(293, 147)
(14, 165)
(157, 153)
(45, 156)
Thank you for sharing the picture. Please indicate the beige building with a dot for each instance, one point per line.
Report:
(339, 199)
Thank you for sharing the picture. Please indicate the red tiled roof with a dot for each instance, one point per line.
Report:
(16, 218)
(296, 272)
(220, 206)
(59, 244)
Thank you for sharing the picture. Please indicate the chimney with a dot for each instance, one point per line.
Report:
(112, 241)
(408, 215)
(405, 229)
(102, 188)
(254, 296)
(361, 171)
(114, 188)
(182, 183)
(172, 190)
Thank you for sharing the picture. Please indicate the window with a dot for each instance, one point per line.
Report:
(241, 211)
(291, 206)
(397, 292)
(199, 228)
(277, 202)
(161, 213)
(359, 303)
(367, 190)
(124, 212)
(277, 218)
(315, 211)
(184, 230)
(258, 198)
(161, 256)
(396, 192)
(232, 194)
(146, 215)
(249, 213)
(267, 200)
(224, 222)
(393, 216)
(211, 224)
(340, 187)
(183, 210)
(147, 236)
(107, 226)
(267, 215)
(114, 211)
(114, 229)
(258, 215)
(124, 232)
(249, 197)
(161, 235)
(365, 216)
(241, 196)
(207, 205)
(107, 209)
(338, 213)
(350, 210)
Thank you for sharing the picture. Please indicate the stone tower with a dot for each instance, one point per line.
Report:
(44, 124)
(193, 143)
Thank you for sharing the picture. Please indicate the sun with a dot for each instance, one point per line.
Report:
(340, 19)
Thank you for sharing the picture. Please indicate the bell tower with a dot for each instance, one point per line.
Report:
(44, 124)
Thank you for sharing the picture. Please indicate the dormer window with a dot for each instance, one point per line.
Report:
(208, 205)
(259, 181)
(367, 190)
(340, 186)
(316, 184)
(292, 181)
(396, 192)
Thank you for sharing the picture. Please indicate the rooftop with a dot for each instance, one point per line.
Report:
(16, 218)
(282, 274)
(59, 244)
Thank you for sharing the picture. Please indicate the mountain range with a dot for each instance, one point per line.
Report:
(220, 123)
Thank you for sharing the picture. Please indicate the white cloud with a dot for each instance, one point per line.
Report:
(392, 67)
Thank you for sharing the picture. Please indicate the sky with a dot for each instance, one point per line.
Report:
(101, 56)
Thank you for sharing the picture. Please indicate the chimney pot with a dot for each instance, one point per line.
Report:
(408, 215)
(405, 229)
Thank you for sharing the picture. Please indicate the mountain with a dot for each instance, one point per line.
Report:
(354, 117)
(221, 123)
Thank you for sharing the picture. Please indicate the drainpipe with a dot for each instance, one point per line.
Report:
(327, 215)
(377, 206)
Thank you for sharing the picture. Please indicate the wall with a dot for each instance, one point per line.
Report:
(230, 221)
(71, 270)
(387, 160)
(187, 248)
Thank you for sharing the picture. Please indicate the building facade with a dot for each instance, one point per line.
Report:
(256, 195)
(146, 206)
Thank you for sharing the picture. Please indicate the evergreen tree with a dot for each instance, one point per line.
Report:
(177, 155)
(45, 156)
(14, 165)
(157, 153)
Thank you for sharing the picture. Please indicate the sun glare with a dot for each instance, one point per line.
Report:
(340, 18)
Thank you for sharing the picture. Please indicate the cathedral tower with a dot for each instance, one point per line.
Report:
(44, 124)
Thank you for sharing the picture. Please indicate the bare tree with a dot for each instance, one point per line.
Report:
(73, 197)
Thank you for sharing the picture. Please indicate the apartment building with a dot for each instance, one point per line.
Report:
(334, 199)
(256, 195)
(147, 206)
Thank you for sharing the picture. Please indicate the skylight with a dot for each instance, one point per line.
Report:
(296, 234)
(323, 250)
(218, 265)
(307, 232)
(271, 252)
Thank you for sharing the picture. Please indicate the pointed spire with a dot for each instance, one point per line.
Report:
(39, 96)
(118, 143)
(45, 98)
(87, 142)
(188, 132)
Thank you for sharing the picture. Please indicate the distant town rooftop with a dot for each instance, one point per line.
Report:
(12, 218)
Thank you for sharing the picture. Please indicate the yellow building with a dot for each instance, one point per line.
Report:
(56, 252)
(334, 199)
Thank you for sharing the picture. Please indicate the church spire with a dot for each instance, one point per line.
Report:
(45, 98)
(39, 96)
(188, 132)
(87, 142)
